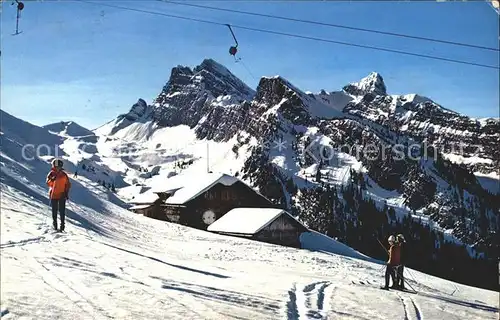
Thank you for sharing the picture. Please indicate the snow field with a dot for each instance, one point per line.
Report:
(132, 266)
(112, 263)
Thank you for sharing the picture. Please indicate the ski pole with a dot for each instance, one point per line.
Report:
(409, 285)
(382, 246)
(46, 215)
(411, 275)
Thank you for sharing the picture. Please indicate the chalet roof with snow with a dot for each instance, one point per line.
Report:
(140, 206)
(247, 221)
(185, 187)
(147, 197)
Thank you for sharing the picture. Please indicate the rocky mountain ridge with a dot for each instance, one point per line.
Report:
(210, 99)
(209, 95)
(400, 151)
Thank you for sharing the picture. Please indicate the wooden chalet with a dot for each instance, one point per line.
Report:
(269, 225)
(198, 201)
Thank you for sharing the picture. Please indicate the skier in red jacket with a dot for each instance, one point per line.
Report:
(403, 260)
(59, 184)
(392, 263)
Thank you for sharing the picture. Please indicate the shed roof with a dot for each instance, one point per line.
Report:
(186, 187)
(246, 220)
(147, 197)
(140, 206)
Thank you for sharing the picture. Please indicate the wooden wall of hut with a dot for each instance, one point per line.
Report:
(284, 231)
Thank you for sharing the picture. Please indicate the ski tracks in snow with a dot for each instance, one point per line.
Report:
(47, 236)
(310, 301)
(79, 295)
(23, 242)
(412, 311)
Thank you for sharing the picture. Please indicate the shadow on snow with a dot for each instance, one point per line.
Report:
(210, 293)
(170, 264)
(460, 302)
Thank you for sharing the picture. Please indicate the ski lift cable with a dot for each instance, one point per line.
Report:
(234, 49)
(234, 37)
(394, 34)
(408, 53)
(247, 69)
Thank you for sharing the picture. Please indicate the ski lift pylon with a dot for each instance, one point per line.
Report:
(20, 7)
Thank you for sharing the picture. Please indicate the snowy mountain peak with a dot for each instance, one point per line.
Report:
(373, 76)
(212, 66)
(191, 94)
(373, 83)
(68, 128)
(296, 105)
(210, 76)
(139, 112)
(220, 81)
(415, 98)
(272, 90)
(179, 76)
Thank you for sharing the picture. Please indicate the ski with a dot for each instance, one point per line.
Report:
(400, 290)
(368, 284)
(408, 291)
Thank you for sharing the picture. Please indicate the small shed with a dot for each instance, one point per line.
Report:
(270, 225)
(143, 209)
(145, 203)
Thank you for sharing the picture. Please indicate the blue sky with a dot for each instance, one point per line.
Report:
(86, 63)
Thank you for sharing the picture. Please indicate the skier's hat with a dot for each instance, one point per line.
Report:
(57, 163)
(401, 238)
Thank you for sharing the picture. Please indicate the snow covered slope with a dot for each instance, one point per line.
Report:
(29, 136)
(112, 263)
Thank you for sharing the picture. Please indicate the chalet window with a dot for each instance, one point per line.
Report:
(213, 195)
(226, 195)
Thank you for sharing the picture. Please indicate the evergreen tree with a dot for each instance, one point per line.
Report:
(318, 175)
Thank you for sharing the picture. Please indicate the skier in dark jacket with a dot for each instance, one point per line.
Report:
(400, 278)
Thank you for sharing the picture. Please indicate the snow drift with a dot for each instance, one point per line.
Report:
(316, 241)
